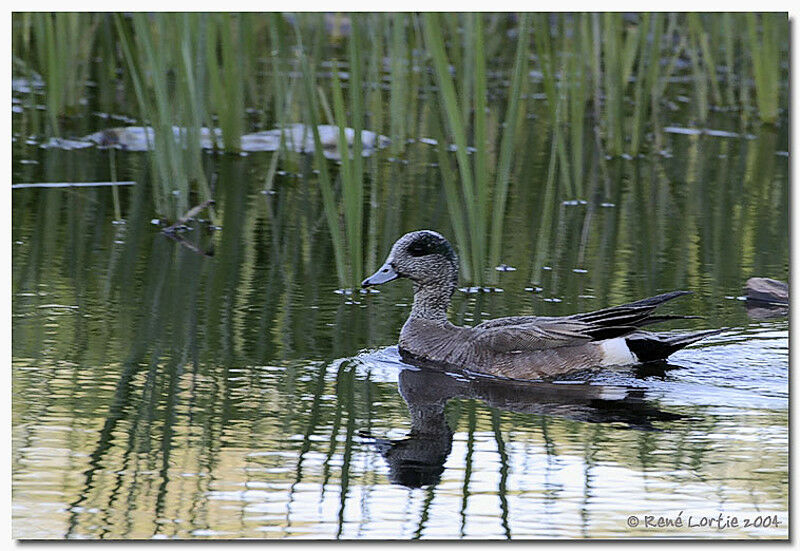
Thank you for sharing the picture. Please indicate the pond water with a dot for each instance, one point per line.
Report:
(163, 393)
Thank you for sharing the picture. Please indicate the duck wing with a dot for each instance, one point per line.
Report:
(543, 334)
(520, 333)
(513, 320)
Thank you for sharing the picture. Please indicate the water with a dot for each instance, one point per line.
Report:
(161, 393)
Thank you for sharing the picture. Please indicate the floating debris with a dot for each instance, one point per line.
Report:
(473, 290)
(349, 292)
(552, 299)
(534, 289)
(451, 147)
(580, 271)
(24, 85)
(454, 147)
(573, 202)
(607, 205)
(111, 116)
(505, 268)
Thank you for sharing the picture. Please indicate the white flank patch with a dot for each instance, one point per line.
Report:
(616, 352)
(613, 393)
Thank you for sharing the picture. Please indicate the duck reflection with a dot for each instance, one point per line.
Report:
(418, 459)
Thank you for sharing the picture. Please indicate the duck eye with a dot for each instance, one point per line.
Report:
(417, 249)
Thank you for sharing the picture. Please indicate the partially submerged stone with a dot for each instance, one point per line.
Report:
(142, 138)
(764, 289)
(65, 144)
(297, 137)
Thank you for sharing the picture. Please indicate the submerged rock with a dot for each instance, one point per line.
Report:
(764, 289)
(142, 138)
(297, 137)
(766, 298)
(707, 132)
(65, 144)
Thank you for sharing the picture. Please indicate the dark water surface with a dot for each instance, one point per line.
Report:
(162, 393)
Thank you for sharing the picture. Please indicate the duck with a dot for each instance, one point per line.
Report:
(516, 347)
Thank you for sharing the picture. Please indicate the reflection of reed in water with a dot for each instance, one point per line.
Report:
(418, 459)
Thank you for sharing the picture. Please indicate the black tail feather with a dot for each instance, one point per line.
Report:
(626, 319)
(650, 347)
(666, 317)
(634, 314)
(658, 299)
(600, 333)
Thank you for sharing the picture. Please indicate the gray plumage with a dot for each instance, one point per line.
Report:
(521, 347)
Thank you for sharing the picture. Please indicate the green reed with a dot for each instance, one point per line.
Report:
(345, 215)
(58, 46)
(603, 75)
(645, 98)
(326, 187)
(480, 200)
(399, 87)
(456, 127)
(175, 160)
(224, 55)
(766, 49)
(616, 58)
(514, 106)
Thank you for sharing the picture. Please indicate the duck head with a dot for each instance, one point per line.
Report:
(425, 257)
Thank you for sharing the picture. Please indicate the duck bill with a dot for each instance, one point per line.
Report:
(385, 273)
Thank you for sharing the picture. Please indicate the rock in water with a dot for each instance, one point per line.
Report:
(297, 137)
(763, 289)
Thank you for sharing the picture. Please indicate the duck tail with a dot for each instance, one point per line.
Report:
(649, 347)
(634, 314)
(658, 299)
